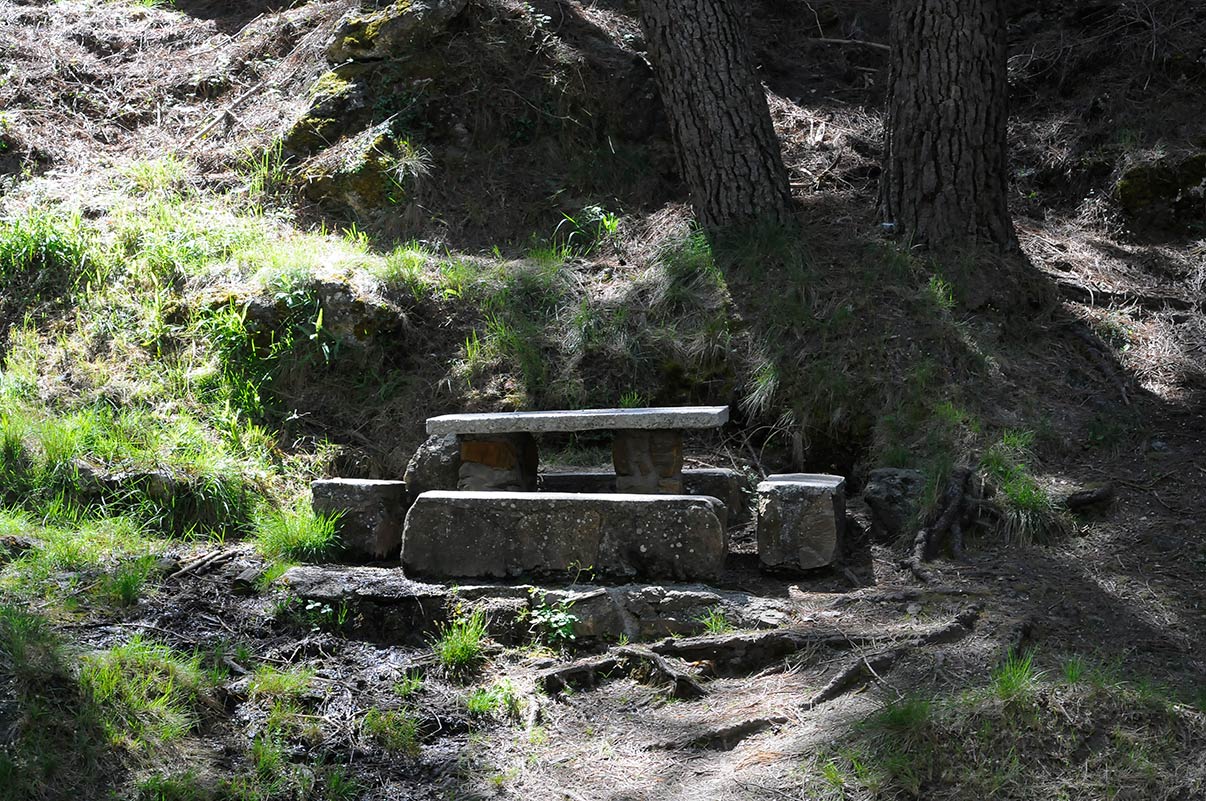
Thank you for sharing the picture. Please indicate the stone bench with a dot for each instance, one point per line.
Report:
(509, 534)
(498, 450)
(728, 485)
(801, 520)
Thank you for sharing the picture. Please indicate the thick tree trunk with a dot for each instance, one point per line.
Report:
(946, 170)
(727, 148)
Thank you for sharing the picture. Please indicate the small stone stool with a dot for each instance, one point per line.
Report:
(371, 514)
(801, 520)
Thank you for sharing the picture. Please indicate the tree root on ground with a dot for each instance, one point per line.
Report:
(737, 654)
(948, 526)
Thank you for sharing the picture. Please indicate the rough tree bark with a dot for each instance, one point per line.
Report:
(727, 148)
(945, 177)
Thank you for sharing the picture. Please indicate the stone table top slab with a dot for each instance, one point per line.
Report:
(659, 418)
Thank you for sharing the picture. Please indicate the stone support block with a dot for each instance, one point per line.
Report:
(371, 515)
(501, 463)
(648, 461)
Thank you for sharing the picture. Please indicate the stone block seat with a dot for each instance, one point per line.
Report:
(370, 515)
(476, 534)
(800, 521)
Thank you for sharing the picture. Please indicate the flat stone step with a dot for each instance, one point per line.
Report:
(510, 534)
(660, 418)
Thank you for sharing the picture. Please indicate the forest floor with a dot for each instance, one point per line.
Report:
(137, 145)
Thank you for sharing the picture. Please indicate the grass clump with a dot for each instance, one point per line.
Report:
(498, 697)
(409, 685)
(1029, 515)
(715, 621)
(271, 682)
(296, 534)
(1015, 679)
(395, 730)
(460, 645)
(147, 694)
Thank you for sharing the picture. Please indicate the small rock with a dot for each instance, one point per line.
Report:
(246, 582)
(391, 31)
(436, 465)
(892, 495)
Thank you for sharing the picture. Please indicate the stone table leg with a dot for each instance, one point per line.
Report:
(649, 462)
(498, 462)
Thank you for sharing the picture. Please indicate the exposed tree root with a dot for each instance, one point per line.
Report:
(947, 526)
(853, 675)
(622, 661)
(723, 738)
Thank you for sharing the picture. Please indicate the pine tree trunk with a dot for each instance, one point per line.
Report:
(946, 174)
(727, 148)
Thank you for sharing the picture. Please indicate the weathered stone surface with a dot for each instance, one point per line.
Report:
(504, 534)
(503, 463)
(666, 418)
(391, 31)
(435, 465)
(728, 485)
(892, 495)
(382, 604)
(371, 514)
(648, 461)
(1165, 191)
(801, 518)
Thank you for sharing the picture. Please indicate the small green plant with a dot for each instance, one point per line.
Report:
(125, 584)
(409, 685)
(632, 400)
(296, 533)
(1015, 679)
(395, 730)
(714, 621)
(942, 293)
(340, 786)
(1029, 514)
(461, 643)
(272, 682)
(1074, 669)
(184, 786)
(498, 697)
(552, 624)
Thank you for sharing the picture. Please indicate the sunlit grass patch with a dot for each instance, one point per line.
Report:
(296, 533)
(146, 693)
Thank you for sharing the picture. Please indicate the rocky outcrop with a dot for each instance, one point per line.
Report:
(893, 494)
(391, 31)
(1169, 191)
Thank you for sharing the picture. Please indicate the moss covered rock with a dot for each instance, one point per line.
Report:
(389, 31)
(1166, 190)
(338, 104)
(373, 171)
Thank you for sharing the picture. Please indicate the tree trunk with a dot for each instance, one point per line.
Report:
(727, 148)
(946, 175)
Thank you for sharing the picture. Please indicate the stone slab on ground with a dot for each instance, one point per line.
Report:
(660, 418)
(727, 485)
(511, 534)
(371, 514)
(800, 520)
(385, 606)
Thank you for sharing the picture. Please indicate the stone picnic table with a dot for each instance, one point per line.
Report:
(498, 449)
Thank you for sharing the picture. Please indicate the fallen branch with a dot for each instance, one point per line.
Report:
(875, 45)
(626, 660)
(723, 738)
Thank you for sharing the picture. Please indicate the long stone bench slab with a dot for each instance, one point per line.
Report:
(667, 418)
(509, 534)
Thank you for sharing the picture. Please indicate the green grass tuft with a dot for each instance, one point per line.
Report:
(395, 730)
(461, 643)
(296, 534)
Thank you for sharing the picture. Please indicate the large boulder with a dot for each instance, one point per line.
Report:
(510, 534)
(370, 513)
(1166, 192)
(801, 520)
(893, 496)
(391, 31)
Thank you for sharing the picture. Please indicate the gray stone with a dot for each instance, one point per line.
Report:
(436, 465)
(381, 604)
(648, 461)
(728, 485)
(801, 519)
(664, 418)
(371, 514)
(893, 496)
(506, 534)
(391, 31)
